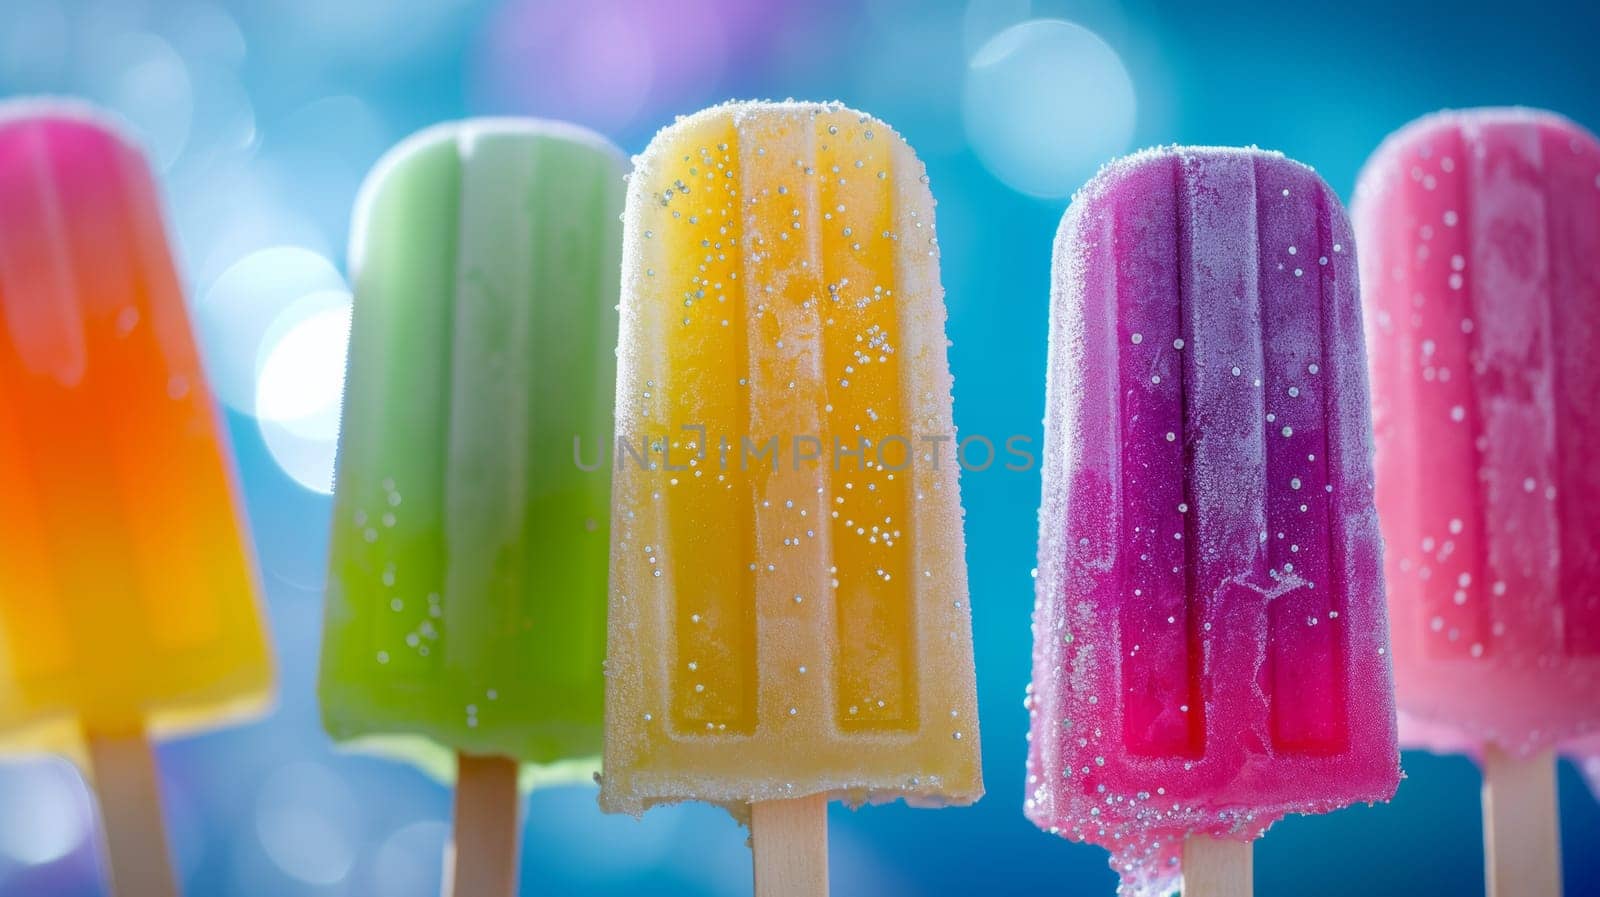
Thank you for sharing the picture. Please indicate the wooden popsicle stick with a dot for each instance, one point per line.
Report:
(790, 841)
(481, 860)
(136, 858)
(1521, 839)
(1216, 867)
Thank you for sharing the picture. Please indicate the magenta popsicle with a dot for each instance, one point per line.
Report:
(1210, 642)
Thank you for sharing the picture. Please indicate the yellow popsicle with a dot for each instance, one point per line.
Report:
(788, 612)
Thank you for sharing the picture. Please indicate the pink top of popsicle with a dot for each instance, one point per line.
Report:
(1480, 233)
(1210, 645)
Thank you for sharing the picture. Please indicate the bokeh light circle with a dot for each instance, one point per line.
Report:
(206, 31)
(409, 863)
(606, 68)
(564, 820)
(44, 815)
(370, 31)
(596, 69)
(1591, 770)
(306, 818)
(247, 301)
(301, 387)
(144, 80)
(225, 120)
(302, 370)
(1045, 103)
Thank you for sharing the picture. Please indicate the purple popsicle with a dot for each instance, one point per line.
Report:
(1210, 638)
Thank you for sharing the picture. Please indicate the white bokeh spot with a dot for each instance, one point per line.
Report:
(1045, 103)
(301, 386)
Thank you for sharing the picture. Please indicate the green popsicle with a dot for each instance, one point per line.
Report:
(466, 597)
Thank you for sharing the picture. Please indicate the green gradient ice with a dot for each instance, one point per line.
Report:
(467, 591)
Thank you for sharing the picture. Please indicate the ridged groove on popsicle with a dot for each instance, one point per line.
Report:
(772, 291)
(111, 420)
(468, 558)
(1485, 417)
(713, 624)
(1210, 483)
(877, 673)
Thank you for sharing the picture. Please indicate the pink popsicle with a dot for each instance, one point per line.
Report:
(1481, 268)
(1482, 274)
(1210, 643)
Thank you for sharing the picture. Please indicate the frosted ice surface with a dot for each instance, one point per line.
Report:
(1210, 644)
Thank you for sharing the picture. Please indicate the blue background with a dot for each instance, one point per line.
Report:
(293, 100)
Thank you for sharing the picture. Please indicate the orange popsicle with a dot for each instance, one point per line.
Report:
(127, 590)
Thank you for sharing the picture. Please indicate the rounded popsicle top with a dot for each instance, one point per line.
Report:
(75, 185)
(666, 148)
(458, 139)
(65, 118)
(1420, 140)
(1119, 170)
(743, 112)
(1124, 180)
(677, 157)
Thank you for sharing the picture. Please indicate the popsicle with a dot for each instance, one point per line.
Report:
(129, 610)
(466, 601)
(1481, 234)
(788, 619)
(1210, 643)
